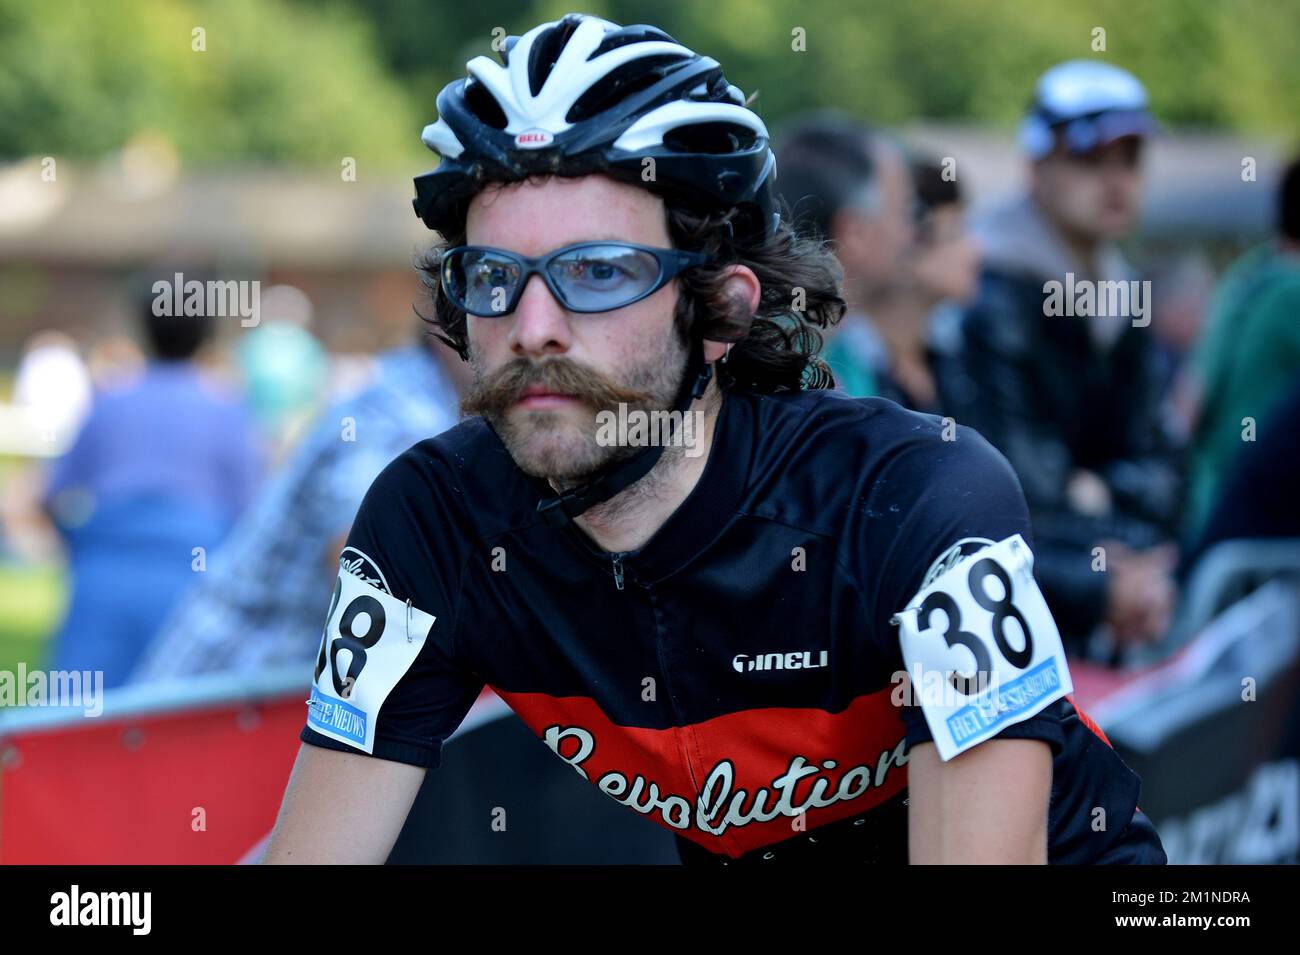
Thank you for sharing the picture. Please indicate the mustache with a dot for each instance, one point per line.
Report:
(496, 392)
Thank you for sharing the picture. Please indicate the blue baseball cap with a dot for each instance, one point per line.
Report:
(1087, 104)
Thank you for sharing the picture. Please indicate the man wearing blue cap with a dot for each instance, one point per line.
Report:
(1058, 345)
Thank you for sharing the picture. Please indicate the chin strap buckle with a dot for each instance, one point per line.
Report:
(702, 382)
(552, 511)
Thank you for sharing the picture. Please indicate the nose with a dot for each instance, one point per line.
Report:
(539, 324)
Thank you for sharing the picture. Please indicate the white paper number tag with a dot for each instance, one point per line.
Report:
(981, 648)
(370, 640)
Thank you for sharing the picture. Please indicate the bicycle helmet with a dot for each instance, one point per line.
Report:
(583, 95)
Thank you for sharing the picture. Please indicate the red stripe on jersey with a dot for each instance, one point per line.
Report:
(749, 773)
(1086, 720)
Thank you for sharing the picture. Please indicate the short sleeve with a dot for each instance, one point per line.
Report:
(950, 498)
(408, 541)
(1045, 726)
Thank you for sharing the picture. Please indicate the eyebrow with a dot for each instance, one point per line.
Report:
(598, 238)
(565, 245)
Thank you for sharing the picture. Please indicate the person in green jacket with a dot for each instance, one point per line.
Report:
(1249, 352)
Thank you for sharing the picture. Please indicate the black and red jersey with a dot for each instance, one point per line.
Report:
(732, 679)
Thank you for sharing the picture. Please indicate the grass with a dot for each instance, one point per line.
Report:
(31, 602)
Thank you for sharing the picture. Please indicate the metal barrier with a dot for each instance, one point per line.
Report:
(1227, 572)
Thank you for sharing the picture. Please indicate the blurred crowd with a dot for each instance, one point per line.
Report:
(1140, 440)
(203, 517)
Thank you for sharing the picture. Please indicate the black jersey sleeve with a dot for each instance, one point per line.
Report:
(410, 540)
(944, 492)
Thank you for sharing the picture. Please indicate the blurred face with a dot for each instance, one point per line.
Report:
(872, 246)
(946, 264)
(1095, 194)
(541, 373)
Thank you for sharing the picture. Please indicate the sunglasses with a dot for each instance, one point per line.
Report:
(584, 277)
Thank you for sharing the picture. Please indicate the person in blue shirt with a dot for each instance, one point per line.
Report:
(165, 462)
(268, 578)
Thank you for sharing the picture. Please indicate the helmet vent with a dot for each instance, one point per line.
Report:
(632, 34)
(710, 138)
(546, 51)
(483, 104)
(622, 82)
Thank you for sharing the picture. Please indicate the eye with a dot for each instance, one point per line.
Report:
(594, 271)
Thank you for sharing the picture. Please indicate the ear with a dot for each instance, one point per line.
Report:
(713, 351)
(741, 285)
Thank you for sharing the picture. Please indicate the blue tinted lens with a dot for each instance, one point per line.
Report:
(480, 281)
(601, 277)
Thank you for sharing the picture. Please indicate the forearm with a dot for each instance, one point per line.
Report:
(985, 806)
(342, 808)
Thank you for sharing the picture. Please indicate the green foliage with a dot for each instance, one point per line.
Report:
(1229, 63)
(306, 82)
(277, 82)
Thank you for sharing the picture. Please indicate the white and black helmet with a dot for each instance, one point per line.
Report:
(583, 95)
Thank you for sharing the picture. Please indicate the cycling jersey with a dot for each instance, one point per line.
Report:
(730, 676)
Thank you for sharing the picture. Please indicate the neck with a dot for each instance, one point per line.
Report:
(630, 518)
(1082, 248)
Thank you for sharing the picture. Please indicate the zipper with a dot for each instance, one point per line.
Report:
(615, 557)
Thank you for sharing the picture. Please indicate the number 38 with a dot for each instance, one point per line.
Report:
(348, 640)
(1002, 609)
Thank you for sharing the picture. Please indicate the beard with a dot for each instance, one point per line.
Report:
(560, 444)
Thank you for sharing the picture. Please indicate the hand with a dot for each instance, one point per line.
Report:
(1141, 592)
(1087, 493)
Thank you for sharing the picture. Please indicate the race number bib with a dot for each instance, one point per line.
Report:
(981, 648)
(370, 640)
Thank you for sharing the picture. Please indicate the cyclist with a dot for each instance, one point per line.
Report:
(794, 625)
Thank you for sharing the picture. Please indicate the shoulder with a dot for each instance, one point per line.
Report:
(464, 476)
(1261, 270)
(214, 385)
(830, 452)
(877, 430)
(837, 427)
(1281, 293)
(428, 510)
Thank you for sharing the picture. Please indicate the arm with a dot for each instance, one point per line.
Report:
(989, 801)
(985, 806)
(386, 695)
(342, 808)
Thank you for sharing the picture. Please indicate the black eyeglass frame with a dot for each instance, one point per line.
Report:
(672, 262)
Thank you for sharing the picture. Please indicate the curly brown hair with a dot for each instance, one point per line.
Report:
(777, 346)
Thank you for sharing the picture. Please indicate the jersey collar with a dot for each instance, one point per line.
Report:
(701, 517)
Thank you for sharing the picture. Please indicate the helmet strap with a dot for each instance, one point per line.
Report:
(562, 509)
